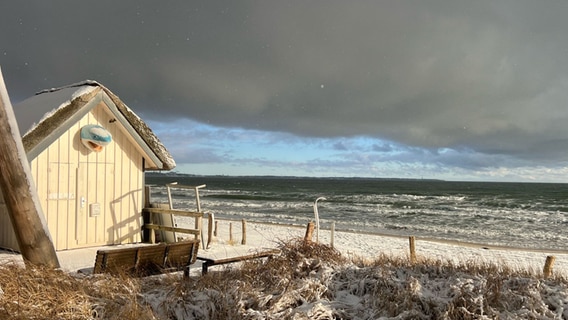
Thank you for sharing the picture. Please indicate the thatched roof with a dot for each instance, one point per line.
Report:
(45, 116)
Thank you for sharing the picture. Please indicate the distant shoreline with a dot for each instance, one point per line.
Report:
(159, 174)
(188, 175)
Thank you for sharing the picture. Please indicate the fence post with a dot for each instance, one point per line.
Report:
(411, 240)
(231, 233)
(332, 236)
(147, 199)
(244, 240)
(152, 231)
(547, 271)
(309, 232)
(210, 219)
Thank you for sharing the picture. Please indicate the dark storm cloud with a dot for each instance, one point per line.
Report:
(489, 76)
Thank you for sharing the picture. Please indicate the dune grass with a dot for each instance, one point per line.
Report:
(306, 281)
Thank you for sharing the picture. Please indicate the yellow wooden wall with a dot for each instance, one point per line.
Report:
(66, 172)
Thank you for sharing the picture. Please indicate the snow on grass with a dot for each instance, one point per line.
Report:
(363, 277)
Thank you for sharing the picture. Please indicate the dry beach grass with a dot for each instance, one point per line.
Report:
(306, 281)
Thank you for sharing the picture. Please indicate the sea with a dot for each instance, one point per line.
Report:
(523, 215)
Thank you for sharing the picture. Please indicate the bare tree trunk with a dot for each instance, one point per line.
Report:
(19, 191)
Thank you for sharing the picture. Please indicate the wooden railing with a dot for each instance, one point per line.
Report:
(152, 226)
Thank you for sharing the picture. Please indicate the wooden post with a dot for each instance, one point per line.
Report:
(152, 231)
(146, 233)
(231, 233)
(309, 232)
(215, 231)
(210, 229)
(244, 240)
(547, 271)
(412, 249)
(147, 199)
(332, 235)
(20, 194)
(199, 223)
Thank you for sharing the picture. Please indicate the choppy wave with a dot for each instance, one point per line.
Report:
(523, 215)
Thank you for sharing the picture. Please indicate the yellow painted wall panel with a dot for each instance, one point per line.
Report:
(66, 172)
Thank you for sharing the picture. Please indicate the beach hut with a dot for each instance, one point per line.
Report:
(88, 153)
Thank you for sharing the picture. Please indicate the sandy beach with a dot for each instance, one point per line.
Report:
(371, 245)
(262, 236)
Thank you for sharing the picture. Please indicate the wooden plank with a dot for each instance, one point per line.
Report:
(151, 259)
(69, 228)
(209, 262)
(138, 185)
(103, 219)
(118, 201)
(81, 192)
(116, 261)
(40, 174)
(63, 194)
(81, 214)
(172, 229)
(179, 255)
(65, 191)
(175, 212)
(52, 184)
(125, 171)
(91, 182)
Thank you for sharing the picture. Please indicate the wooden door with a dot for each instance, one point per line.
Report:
(60, 203)
(95, 188)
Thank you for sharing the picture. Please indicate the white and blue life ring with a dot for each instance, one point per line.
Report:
(95, 137)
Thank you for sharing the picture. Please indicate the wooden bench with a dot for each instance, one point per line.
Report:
(208, 261)
(148, 260)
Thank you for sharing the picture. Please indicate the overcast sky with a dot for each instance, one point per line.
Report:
(458, 90)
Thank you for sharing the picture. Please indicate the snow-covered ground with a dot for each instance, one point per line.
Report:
(359, 292)
(348, 243)
(366, 245)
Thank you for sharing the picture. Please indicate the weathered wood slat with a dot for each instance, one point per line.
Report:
(147, 260)
(173, 229)
(175, 212)
(116, 260)
(151, 259)
(179, 256)
(208, 262)
(153, 227)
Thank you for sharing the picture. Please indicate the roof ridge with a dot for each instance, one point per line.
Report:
(77, 84)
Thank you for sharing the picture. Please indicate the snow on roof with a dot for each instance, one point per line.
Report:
(145, 132)
(39, 107)
(52, 109)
